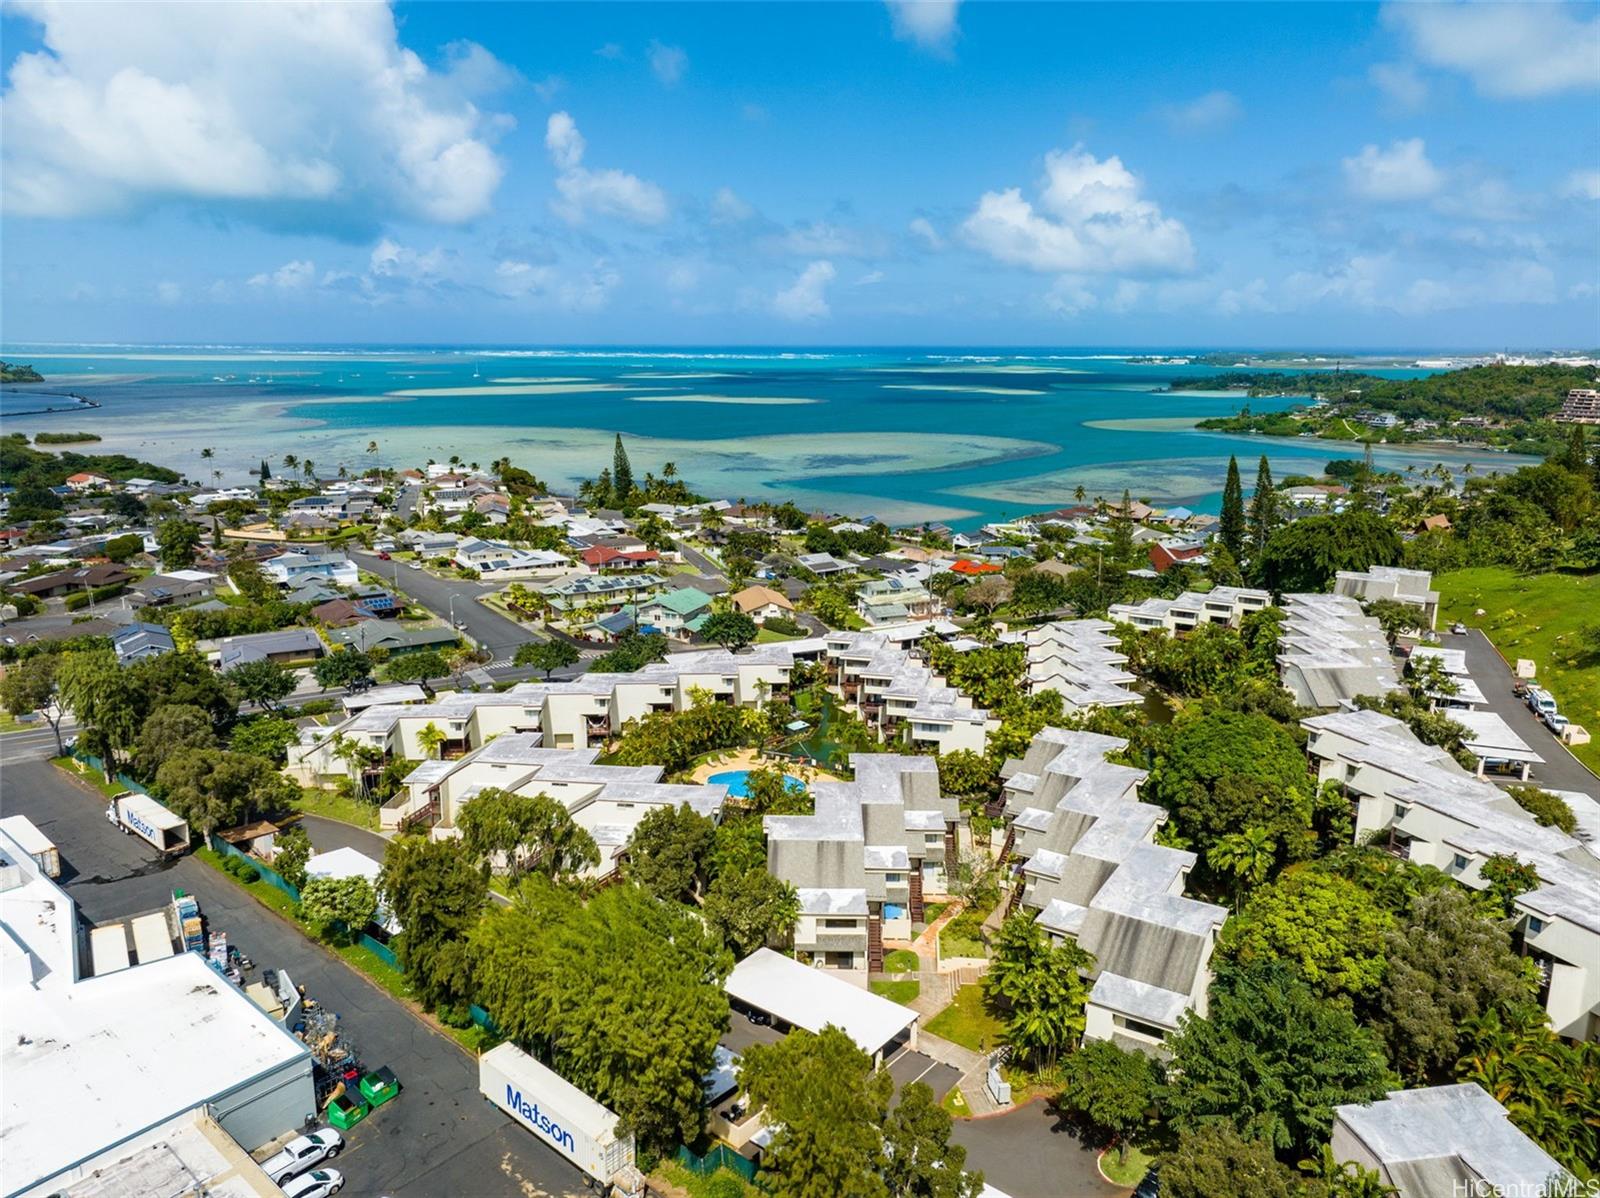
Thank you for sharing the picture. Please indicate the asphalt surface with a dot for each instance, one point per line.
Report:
(487, 628)
(440, 1137)
(1560, 770)
(1031, 1153)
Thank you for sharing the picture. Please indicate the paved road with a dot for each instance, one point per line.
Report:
(1031, 1153)
(1560, 769)
(488, 628)
(700, 561)
(439, 1137)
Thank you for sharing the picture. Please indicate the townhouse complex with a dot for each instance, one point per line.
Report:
(862, 861)
(1092, 872)
(1416, 800)
(1080, 660)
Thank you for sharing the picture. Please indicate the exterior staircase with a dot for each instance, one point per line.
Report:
(1010, 843)
(423, 817)
(915, 881)
(874, 944)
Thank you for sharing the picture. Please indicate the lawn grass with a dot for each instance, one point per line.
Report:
(902, 960)
(330, 805)
(956, 1103)
(963, 936)
(696, 1186)
(1126, 1173)
(1536, 616)
(769, 636)
(932, 911)
(900, 992)
(88, 774)
(968, 1022)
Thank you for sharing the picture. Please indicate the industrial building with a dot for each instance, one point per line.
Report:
(98, 1068)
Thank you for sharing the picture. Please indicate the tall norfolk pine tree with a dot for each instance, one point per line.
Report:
(1231, 529)
(621, 474)
(1264, 515)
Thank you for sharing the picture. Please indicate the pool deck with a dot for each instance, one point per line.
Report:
(750, 759)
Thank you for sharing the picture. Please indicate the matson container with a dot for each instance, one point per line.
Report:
(556, 1111)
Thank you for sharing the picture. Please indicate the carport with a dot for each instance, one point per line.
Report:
(795, 995)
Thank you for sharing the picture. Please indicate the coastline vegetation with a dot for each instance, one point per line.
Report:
(12, 372)
(74, 438)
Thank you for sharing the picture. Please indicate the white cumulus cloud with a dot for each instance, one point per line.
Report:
(1404, 89)
(1583, 185)
(1510, 50)
(1090, 218)
(1402, 172)
(586, 192)
(306, 114)
(667, 63)
(931, 24)
(806, 299)
(291, 276)
(1214, 110)
(729, 208)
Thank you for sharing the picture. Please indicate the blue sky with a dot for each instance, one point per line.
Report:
(1340, 175)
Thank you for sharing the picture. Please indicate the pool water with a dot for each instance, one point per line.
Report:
(737, 782)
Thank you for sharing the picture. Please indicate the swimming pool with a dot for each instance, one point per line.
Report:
(735, 781)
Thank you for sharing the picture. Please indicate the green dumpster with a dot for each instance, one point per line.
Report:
(345, 1112)
(379, 1086)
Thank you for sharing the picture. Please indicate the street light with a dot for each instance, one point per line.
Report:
(452, 611)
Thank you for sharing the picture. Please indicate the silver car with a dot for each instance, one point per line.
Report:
(302, 1153)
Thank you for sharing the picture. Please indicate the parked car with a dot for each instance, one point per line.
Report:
(320, 1183)
(1556, 722)
(1459, 628)
(414, 565)
(302, 1153)
(383, 555)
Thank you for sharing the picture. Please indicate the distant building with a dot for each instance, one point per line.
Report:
(1391, 582)
(139, 641)
(1582, 406)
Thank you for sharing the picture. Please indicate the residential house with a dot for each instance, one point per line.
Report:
(526, 563)
(429, 544)
(608, 592)
(1418, 802)
(1442, 1140)
(87, 481)
(606, 558)
(1220, 605)
(66, 582)
(893, 600)
(1079, 659)
(1330, 651)
(135, 642)
(393, 639)
(1092, 873)
(762, 604)
(677, 613)
(494, 508)
(824, 565)
(286, 646)
(295, 567)
(968, 568)
(1164, 555)
(1412, 587)
(176, 586)
(862, 863)
(338, 613)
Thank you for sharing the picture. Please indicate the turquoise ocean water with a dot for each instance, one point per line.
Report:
(903, 435)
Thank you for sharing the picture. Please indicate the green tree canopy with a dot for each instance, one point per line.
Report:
(1112, 1089)
(623, 997)
(549, 656)
(341, 668)
(217, 789)
(828, 1106)
(291, 851)
(266, 736)
(669, 853)
(172, 729)
(1328, 929)
(177, 541)
(328, 902)
(1231, 527)
(416, 667)
(1272, 1059)
(1305, 555)
(919, 1159)
(519, 832)
(435, 890)
(264, 683)
(1213, 1159)
(1039, 987)
(1447, 967)
(733, 630)
(750, 909)
(30, 685)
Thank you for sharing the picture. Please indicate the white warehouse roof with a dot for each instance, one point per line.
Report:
(812, 999)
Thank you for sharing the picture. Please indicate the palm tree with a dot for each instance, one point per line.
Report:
(372, 451)
(1248, 856)
(1078, 492)
(290, 461)
(431, 738)
(309, 469)
(216, 476)
(207, 454)
(669, 470)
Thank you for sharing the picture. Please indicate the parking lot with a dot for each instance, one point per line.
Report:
(438, 1138)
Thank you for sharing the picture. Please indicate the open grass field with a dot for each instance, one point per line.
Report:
(968, 1022)
(1537, 616)
(900, 992)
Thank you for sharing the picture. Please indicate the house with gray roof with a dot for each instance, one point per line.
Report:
(1330, 651)
(367, 635)
(139, 641)
(863, 861)
(1091, 872)
(284, 646)
(1443, 1140)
